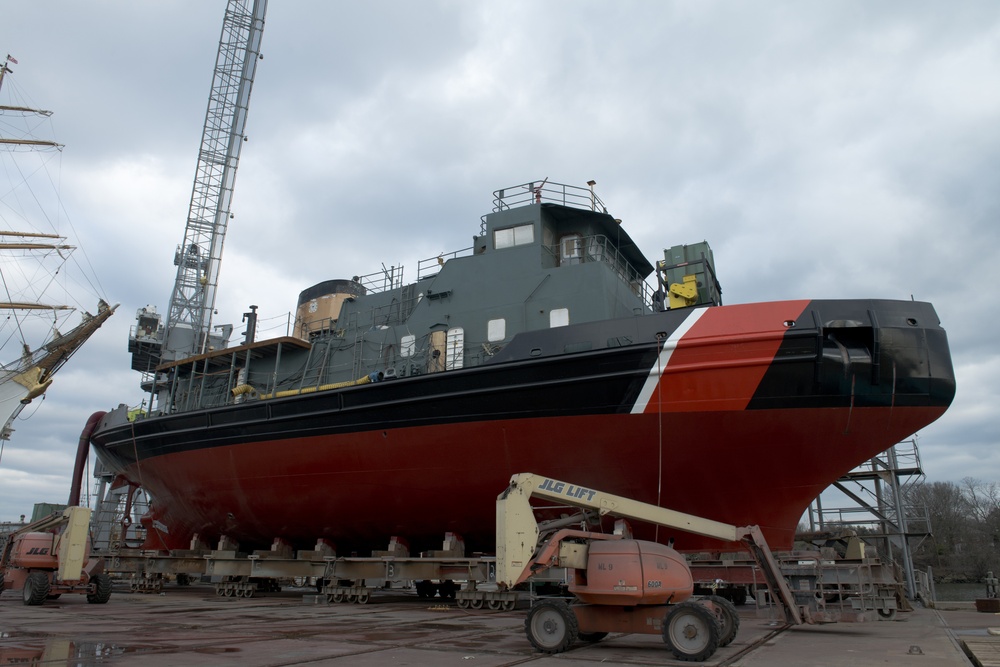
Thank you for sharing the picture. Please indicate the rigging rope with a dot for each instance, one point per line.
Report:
(13, 312)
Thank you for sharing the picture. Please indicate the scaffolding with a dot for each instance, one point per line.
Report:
(882, 513)
(119, 506)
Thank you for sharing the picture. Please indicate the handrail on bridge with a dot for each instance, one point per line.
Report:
(537, 192)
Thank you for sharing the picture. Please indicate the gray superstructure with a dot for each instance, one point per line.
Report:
(547, 256)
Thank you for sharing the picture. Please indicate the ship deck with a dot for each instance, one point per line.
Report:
(192, 626)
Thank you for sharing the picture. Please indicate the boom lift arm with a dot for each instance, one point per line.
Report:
(519, 555)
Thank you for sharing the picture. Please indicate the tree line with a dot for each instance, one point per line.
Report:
(965, 528)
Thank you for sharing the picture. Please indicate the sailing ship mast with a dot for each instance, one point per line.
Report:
(35, 143)
(29, 374)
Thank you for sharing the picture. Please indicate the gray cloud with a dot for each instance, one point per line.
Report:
(824, 149)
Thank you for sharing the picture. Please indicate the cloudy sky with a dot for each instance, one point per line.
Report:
(824, 149)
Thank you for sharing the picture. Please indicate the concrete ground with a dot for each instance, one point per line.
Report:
(192, 626)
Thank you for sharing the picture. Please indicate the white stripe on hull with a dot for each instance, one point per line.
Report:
(656, 370)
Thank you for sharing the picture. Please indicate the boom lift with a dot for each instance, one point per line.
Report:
(50, 557)
(620, 584)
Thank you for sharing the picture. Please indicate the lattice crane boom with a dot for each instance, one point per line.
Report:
(189, 317)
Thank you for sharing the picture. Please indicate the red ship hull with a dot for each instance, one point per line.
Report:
(414, 482)
(741, 414)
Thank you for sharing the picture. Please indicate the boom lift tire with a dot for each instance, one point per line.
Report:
(691, 631)
(729, 619)
(36, 588)
(102, 589)
(551, 626)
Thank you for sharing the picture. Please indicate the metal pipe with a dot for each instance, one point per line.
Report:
(82, 453)
(277, 362)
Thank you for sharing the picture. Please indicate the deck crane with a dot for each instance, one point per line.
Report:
(188, 328)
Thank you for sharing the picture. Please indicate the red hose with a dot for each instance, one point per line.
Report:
(82, 452)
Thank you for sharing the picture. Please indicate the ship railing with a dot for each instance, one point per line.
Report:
(388, 278)
(600, 248)
(429, 267)
(202, 390)
(539, 192)
(314, 327)
(386, 314)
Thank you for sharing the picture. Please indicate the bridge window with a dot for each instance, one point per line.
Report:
(571, 250)
(513, 236)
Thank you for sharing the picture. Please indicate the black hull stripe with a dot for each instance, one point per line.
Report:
(602, 382)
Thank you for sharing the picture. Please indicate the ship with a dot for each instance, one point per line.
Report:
(399, 408)
(32, 254)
